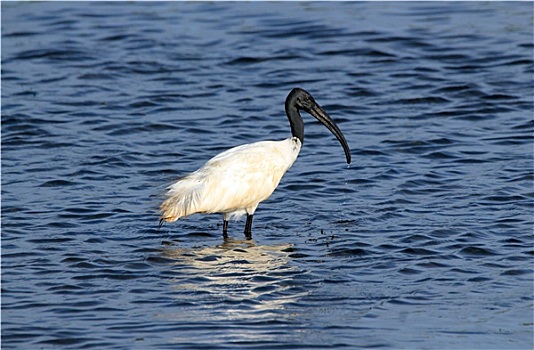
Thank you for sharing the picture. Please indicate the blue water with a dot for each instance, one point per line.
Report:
(424, 242)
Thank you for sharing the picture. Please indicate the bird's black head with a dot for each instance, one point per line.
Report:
(300, 99)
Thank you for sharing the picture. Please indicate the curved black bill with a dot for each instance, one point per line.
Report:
(325, 119)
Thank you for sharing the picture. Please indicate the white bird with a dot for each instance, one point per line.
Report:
(235, 181)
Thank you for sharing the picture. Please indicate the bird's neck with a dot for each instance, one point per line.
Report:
(295, 121)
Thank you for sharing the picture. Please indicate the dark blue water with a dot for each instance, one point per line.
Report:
(425, 242)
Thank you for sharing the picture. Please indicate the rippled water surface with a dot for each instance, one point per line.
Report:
(425, 241)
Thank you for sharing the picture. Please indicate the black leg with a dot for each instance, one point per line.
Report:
(225, 228)
(248, 227)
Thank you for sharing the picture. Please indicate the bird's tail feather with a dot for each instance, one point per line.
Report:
(182, 199)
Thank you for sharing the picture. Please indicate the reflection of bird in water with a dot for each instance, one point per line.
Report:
(236, 181)
(258, 258)
(236, 271)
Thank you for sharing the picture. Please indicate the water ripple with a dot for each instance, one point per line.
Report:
(425, 239)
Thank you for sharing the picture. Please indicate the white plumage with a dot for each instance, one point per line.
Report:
(236, 181)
